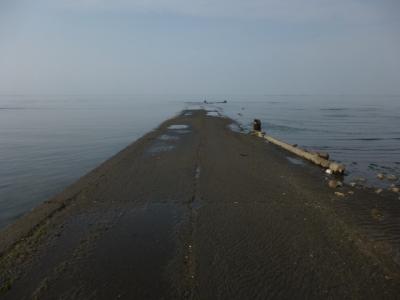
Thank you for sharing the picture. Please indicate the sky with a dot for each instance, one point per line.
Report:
(200, 47)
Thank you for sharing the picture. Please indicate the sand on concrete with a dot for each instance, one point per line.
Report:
(202, 212)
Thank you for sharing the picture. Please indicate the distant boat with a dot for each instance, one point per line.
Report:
(206, 102)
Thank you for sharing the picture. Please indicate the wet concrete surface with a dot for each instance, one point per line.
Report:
(109, 270)
(194, 210)
(296, 161)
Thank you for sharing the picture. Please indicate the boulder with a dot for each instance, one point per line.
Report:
(257, 125)
(334, 183)
(336, 167)
(380, 176)
(339, 194)
(395, 189)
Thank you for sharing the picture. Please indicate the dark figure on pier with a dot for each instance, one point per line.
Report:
(257, 125)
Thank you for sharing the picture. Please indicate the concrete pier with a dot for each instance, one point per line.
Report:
(195, 210)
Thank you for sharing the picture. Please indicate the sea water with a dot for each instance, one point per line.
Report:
(47, 142)
(361, 131)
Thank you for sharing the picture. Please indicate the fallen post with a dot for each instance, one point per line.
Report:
(314, 157)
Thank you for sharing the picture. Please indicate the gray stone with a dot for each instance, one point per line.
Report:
(380, 176)
(334, 183)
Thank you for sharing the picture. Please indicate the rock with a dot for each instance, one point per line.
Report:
(378, 191)
(353, 184)
(328, 171)
(334, 183)
(376, 214)
(380, 176)
(350, 192)
(339, 194)
(295, 145)
(391, 177)
(257, 125)
(323, 155)
(395, 189)
(361, 179)
(336, 167)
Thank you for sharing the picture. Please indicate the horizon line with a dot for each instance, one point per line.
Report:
(199, 94)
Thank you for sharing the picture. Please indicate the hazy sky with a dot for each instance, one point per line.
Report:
(200, 46)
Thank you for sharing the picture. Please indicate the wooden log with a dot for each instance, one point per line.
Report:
(311, 156)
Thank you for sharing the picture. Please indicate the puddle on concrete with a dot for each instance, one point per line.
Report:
(178, 126)
(195, 107)
(196, 203)
(213, 114)
(182, 131)
(234, 127)
(197, 173)
(166, 137)
(295, 161)
(136, 253)
(160, 148)
(168, 141)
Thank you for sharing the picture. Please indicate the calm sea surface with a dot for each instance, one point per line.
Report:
(47, 142)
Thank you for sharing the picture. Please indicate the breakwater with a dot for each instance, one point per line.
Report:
(196, 210)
